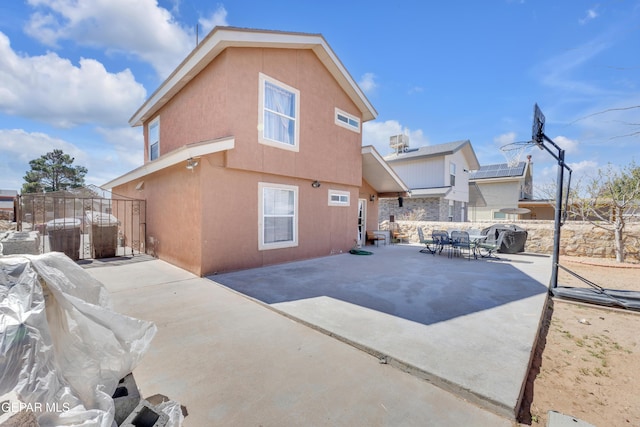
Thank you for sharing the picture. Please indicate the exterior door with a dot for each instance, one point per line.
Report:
(362, 221)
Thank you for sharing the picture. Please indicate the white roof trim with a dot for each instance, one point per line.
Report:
(481, 181)
(221, 38)
(439, 191)
(370, 149)
(180, 155)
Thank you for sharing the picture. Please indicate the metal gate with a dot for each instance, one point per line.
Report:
(84, 223)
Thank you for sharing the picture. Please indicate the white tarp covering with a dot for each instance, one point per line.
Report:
(62, 348)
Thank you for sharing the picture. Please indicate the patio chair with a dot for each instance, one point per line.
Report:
(373, 237)
(460, 241)
(474, 231)
(441, 240)
(429, 244)
(396, 235)
(486, 248)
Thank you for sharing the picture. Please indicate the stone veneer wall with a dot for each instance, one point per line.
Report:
(577, 238)
(419, 209)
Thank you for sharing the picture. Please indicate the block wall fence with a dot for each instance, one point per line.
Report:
(577, 238)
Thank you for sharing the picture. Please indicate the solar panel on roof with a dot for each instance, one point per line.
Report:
(500, 170)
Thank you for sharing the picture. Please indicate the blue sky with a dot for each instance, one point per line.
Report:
(72, 72)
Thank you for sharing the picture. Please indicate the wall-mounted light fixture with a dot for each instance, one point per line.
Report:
(191, 163)
(372, 197)
(315, 184)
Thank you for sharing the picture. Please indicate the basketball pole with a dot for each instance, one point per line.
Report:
(558, 211)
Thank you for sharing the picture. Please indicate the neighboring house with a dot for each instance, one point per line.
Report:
(253, 155)
(504, 187)
(7, 198)
(540, 209)
(437, 177)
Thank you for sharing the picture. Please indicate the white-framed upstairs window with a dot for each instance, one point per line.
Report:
(339, 198)
(279, 112)
(452, 174)
(278, 216)
(153, 137)
(347, 120)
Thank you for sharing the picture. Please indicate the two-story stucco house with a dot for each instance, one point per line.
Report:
(503, 187)
(253, 155)
(438, 179)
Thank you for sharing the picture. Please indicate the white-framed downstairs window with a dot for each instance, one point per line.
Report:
(499, 215)
(278, 216)
(279, 110)
(153, 136)
(347, 120)
(339, 198)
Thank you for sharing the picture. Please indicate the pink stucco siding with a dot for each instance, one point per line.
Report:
(206, 220)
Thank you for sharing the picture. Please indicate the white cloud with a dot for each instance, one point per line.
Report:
(53, 90)
(558, 72)
(546, 176)
(217, 18)
(18, 147)
(175, 9)
(590, 14)
(141, 28)
(505, 138)
(368, 82)
(378, 134)
(24, 146)
(126, 151)
(116, 152)
(584, 167)
(570, 146)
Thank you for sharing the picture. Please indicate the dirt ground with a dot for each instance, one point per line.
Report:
(587, 363)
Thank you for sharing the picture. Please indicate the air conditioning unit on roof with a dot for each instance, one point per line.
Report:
(399, 142)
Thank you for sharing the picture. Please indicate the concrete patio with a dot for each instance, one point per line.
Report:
(231, 357)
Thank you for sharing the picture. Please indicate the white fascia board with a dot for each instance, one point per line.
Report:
(180, 155)
(439, 191)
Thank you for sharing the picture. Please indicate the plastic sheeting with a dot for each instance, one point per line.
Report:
(62, 348)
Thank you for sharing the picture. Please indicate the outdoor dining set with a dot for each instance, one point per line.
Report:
(456, 243)
(485, 243)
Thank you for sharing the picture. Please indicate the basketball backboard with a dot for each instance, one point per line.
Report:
(537, 130)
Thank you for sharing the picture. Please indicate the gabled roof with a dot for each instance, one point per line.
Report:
(221, 38)
(438, 150)
(500, 170)
(379, 174)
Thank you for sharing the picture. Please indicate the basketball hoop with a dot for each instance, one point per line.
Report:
(513, 151)
(537, 130)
